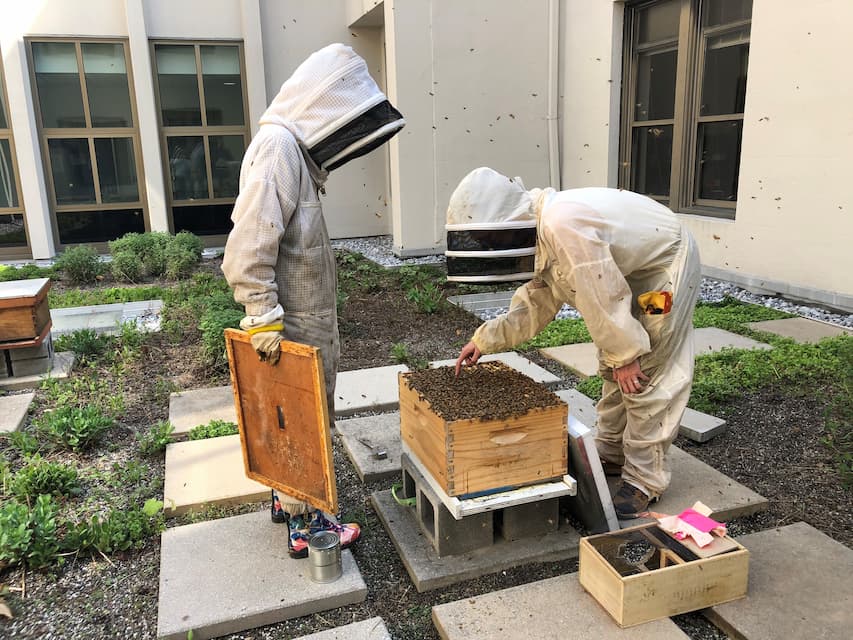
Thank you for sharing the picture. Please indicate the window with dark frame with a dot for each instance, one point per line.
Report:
(204, 133)
(684, 87)
(89, 136)
(13, 232)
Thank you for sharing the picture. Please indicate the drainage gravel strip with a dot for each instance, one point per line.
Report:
(379, 250)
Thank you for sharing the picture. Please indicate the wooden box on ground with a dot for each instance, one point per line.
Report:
(483, 453)
(641, 574)
(24, 312)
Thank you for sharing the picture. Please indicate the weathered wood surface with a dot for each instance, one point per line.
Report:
(283, 420)
(658, 592)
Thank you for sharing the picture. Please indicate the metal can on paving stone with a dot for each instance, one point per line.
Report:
(324, 557)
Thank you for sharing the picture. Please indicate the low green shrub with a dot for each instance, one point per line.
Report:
(86, 343)
(25, 272)
(107, 295)
(400, 352)
(149, 248)
(80, 264)
(28, 536)
(558, 333)
(74, 428)
(733, 315)
(214, 321)
(40, 476)
(127, 267)
(156, 438)
(118, 530)
(213, 429)
(426, 297)
(189, 242)
(25, 442)
(591, 387)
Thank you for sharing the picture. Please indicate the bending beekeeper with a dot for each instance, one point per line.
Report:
(627, 264)
(278, 258)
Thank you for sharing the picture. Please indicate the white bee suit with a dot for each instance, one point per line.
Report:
(278, 258)
(598, 249)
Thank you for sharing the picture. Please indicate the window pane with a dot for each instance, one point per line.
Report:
(106, 84)
(178, 80)
(116, 169)
(717, 12)
(651, 160)
(4, 123)
(655, 85)
(188, 167)
(72, 170)
(724, 80)
(660, 21)
(203, 220)
(8, 192)
(58, 83)
(98, 226)
(226, 154)
(12, 232)
(718, 160)
(223, 91)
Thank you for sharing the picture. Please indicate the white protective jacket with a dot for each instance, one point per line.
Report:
(597, 250)
(278, 258)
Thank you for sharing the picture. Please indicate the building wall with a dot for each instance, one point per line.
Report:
(793, 227)
(472, 79)
(357, 194)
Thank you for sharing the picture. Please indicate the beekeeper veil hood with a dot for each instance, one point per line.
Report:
(491, 229)
(334, 108)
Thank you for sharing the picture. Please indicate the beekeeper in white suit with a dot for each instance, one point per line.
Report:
(632, 270)
(278, 258)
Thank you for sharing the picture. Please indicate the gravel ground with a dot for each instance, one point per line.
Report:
(94, 598)
(379, 250)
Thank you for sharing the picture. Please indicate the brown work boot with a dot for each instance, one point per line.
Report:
(629, 501)
(611, 468)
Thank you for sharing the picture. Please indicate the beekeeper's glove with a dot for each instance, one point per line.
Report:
(266, 332)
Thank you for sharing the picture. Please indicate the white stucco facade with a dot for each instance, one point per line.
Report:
(534, 93)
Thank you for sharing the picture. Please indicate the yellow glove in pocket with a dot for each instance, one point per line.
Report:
(266, 341)
(655, 302)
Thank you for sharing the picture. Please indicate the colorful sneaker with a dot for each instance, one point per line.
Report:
(301, 528)
(298, 536)
(348, 532)
(277, 514)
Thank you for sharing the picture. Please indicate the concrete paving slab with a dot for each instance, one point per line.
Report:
(63, 362)
(371, 629)
(799, 587)
(801, 329)
(13, 411)
(582, 358)
(382, 433)
(517, 362)
(711, 340)
(428, 571)
(374, 389)
(553, 609)
(700, 427)
(207, 472)
(188, 409)
(232, 574)
(107, 318)
(694, 480)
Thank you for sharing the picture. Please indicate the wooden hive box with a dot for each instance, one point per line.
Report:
(671, 581)
(24, 311)
(484, 453)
